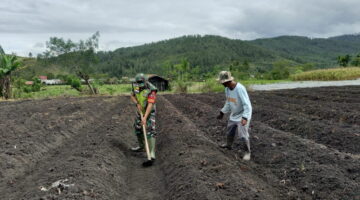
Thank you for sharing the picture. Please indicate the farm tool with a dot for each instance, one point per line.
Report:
(149, 160)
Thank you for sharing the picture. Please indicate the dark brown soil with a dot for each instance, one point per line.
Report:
(305, 143)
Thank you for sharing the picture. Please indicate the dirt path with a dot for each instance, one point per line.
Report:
(142, 183)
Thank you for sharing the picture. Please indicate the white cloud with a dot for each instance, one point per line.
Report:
(125, 23)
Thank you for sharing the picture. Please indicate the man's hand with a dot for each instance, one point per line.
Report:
(147, 113)
(143, 121)
(220, 116)
(139, 107)
(243, 122)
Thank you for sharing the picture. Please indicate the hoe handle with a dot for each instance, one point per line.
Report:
(145, 138)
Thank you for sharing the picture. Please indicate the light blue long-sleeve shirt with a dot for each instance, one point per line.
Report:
(238, 103)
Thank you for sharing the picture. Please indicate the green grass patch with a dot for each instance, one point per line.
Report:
(47, 91)
(66, 90)
(115, 89)
(348, 73)
(52, 91)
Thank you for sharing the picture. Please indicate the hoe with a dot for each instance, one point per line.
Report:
(149, 161)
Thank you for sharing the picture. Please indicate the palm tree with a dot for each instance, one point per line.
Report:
(8, 63)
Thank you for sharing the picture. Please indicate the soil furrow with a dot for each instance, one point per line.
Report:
(30, 138)
(97, 162)
(341, 136)
(315, 96)
(275, 161)
(215, 175)
(305, 145)
(346, 113)
(73, 160)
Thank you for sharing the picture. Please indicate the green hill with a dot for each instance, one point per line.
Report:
(207, 52)
(203, 51)
(353, 38)
(322, 52)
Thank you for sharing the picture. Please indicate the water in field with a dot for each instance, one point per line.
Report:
(304, 84)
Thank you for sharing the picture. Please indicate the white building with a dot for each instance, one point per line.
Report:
(52, 82)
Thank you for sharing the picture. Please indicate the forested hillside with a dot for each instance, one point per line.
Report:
(206, 53)
(322, 52)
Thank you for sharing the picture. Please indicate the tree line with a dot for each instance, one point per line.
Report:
(347, 59)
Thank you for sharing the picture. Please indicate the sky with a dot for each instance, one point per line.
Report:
(26, 25)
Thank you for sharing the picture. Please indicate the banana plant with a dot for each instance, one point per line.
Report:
(8, 63)
(1, 50)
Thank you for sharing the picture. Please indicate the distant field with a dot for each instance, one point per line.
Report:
(214, 86)
(119, 89)
(348, 73)
(66, 90)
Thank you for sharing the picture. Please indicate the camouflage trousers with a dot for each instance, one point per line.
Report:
(150, 130)
(150, 125)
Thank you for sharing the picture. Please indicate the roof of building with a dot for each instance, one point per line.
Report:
(43, 77)
(155, 75)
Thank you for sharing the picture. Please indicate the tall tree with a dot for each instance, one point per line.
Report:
(79, 57)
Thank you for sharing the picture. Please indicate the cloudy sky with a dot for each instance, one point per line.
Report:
(26, 25)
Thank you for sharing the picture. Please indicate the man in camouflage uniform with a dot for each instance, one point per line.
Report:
(144, 95)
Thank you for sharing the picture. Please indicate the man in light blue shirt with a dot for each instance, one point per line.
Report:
(238, 103)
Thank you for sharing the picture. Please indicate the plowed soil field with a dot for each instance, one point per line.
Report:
(305, 145)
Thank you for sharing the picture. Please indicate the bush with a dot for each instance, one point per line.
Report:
(181, 86)
(97, 83)
(22, 90)
(36, 86)
(74, 82)
(27, 89)
(279, 71)
(211, 85)
(19, 85)
(112, 81)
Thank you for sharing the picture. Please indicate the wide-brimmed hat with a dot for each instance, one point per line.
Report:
(225, 76)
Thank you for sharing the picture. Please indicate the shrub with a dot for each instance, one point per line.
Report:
(211, 85)
(19, 85)
(74, 82)
(181, 86)
(36, 86)
(112, 81)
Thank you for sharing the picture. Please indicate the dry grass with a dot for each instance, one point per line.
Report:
(348, 73)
